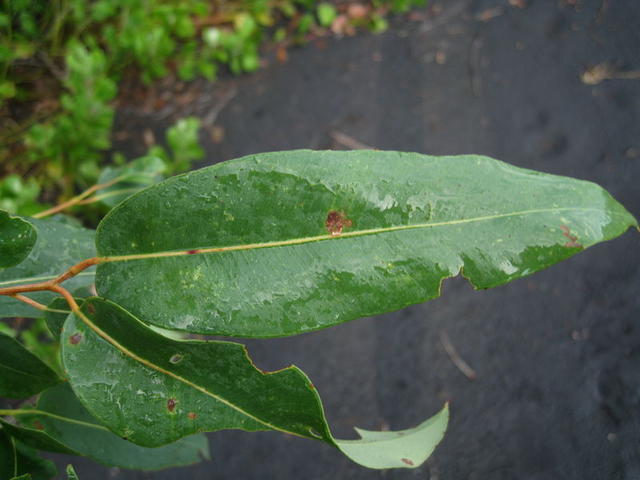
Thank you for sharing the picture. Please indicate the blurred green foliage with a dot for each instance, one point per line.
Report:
(67, 57)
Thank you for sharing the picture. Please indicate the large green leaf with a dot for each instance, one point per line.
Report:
(17, 238)
(283, 243)
(59, 246)
(154, 390)
(22, 374)
(62, 417)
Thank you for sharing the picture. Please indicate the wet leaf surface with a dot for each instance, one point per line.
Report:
(154, 390)
(17, 238)
(59, 246)
(283, 243)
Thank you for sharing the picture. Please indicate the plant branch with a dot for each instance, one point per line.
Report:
(30, 301)
(78, 199)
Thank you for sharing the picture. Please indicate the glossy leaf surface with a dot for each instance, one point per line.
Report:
(59, 246)
(155, 390)
(283, 243)
(17, 238)
(22, 374)
(62, 417)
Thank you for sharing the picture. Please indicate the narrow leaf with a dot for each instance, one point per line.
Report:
(31, 463)
(17, 238)
(22, 374)
(63, 418)
(289, 242)
(8, 456)
(59, 246)
(19, 461)
(154, 390)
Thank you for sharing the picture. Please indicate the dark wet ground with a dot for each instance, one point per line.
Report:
(557, 355)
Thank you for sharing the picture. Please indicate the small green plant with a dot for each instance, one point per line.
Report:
(264, 246)
(61, 64)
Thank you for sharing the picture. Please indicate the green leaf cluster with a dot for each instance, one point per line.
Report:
(268, 245)
(87, 47)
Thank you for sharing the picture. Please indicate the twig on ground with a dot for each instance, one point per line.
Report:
(463, 366)
(602, 72)
(349, 142)
(212, 116)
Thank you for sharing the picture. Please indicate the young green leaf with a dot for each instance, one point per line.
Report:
(326, 14)
(59, 246)
(289, 242)
(164, 392)
(17, 238)
(71, 473)
(22, 374)
(62, 418)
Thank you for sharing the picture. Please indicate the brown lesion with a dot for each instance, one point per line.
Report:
(572, 239)
(171, 404)
(336, 222)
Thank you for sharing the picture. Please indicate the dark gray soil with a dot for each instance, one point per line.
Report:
(557, 355)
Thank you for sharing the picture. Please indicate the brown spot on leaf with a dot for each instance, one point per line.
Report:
(336, 221)
(312, 386)
(38, 425)
(407, 461)
(192, 415)
(191, 252)
(171, 404)
(75, 338)
(573, 240)
(91, 307)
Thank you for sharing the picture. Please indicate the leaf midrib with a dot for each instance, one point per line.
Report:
(352, 234)
(125, 351)
(61, 418)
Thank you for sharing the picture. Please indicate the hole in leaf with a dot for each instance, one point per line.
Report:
(176, 358)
